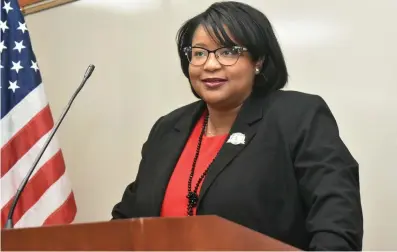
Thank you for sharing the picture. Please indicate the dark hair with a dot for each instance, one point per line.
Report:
(251, 29)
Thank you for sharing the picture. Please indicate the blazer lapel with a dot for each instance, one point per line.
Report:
(171, 149)
(245, 124)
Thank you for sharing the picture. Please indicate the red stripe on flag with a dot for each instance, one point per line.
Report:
(64, 214)
(48, 174)
(24, 140)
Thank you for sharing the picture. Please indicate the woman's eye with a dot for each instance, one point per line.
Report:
(199, 54)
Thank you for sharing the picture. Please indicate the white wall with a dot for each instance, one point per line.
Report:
(345, 51)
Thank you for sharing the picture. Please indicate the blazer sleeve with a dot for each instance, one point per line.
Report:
(328, 178)
(124, 208)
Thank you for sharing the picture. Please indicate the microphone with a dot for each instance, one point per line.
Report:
(22, 186)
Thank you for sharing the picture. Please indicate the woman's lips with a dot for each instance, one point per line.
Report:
(214, 82)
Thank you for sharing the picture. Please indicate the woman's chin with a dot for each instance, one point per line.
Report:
(213, 98)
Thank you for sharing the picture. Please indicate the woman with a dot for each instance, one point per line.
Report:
(268, 159)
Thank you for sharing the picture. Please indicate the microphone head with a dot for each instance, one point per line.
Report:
(89, 71)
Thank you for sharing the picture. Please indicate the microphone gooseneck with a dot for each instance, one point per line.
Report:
(9, 223)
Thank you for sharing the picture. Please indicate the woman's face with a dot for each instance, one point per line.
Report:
(219, 85)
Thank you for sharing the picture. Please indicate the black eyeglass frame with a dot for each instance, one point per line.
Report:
(240, 50)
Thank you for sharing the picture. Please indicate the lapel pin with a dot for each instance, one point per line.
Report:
(236, 138)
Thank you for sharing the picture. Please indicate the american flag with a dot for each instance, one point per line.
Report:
(26, 122)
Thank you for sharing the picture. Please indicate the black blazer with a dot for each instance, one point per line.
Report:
(293, 179)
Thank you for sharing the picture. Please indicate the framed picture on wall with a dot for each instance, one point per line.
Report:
(33, 6)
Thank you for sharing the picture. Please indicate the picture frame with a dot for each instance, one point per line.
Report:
(33, 6)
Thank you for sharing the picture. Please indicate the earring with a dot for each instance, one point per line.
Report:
(257, 70)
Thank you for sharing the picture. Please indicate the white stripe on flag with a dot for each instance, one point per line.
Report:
(22, 113)
(54, 197)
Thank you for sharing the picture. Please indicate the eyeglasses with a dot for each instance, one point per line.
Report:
(226, 56)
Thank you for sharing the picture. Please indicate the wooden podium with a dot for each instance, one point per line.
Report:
(185, 233)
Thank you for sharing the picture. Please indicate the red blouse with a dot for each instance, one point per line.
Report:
(175, 201)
